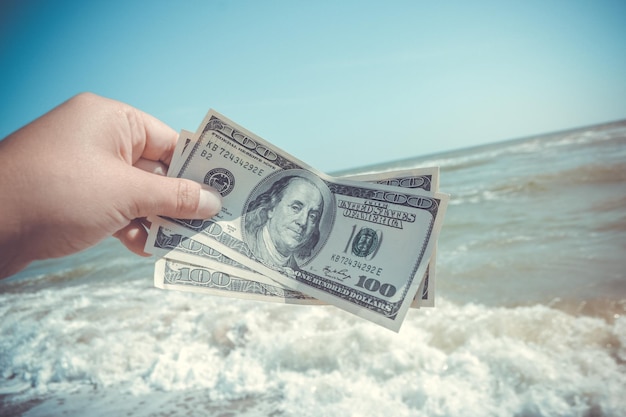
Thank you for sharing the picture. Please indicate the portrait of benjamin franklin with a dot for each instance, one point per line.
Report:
(282, 223)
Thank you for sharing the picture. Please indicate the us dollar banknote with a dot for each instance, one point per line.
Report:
(185, 249)
(207, 268)
(179, 275)
(426, 178)
(356, 245)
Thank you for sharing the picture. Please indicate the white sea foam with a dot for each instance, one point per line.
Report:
(82, 348)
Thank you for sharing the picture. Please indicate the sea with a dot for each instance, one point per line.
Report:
(529, 317)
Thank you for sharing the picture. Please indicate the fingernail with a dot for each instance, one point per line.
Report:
(210, 201)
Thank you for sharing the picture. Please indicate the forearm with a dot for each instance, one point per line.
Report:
(13, 256)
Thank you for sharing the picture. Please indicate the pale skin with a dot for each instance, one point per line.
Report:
(88, 169)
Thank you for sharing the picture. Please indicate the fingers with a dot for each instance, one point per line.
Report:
(154, 167)
(134, 237)
(173, 197)
(177, 198)
(156, 140)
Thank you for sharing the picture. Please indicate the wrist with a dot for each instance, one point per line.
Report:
(13, 257)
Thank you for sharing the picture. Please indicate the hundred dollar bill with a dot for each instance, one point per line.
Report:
(178, 275)
(426, 178)
(356, 245)
(182, 248)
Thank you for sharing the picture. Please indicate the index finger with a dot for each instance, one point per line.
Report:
(152, 138)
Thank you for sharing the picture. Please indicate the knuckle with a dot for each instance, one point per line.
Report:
(187, 201)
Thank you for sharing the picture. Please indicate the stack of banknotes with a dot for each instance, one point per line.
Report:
(291, 234)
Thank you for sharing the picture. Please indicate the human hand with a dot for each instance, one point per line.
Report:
(86, 171)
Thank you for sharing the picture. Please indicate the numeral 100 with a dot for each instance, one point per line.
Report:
(374, 285)
(203, 276)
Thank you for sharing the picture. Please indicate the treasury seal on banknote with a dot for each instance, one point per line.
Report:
(287, 218)
(221, 179)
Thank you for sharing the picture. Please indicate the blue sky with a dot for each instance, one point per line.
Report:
(338, 84)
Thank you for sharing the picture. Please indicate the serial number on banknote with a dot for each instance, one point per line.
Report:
(355, 263)
(234, 159)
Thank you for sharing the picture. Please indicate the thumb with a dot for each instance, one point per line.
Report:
(175, 197)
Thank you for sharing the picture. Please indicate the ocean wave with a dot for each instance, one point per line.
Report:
(455, 360)
(532, 185)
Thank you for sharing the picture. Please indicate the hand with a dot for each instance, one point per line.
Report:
(86, 171)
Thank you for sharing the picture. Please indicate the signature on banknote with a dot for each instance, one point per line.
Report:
(336, 274)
